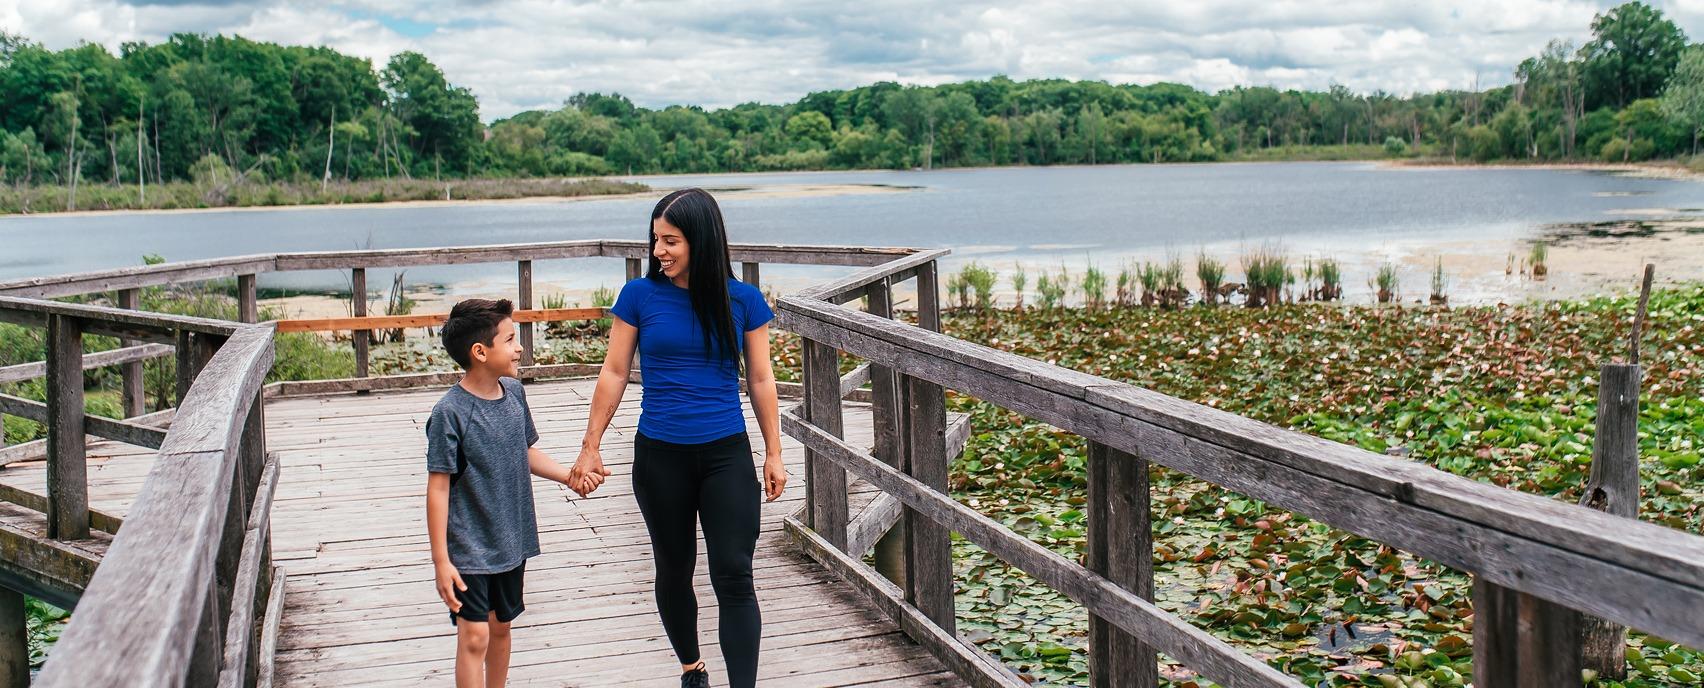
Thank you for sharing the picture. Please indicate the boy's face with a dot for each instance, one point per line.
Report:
(503, 355)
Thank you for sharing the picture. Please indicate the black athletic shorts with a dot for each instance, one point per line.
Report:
(491, 592)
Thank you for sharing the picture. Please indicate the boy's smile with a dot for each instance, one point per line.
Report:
(504, 354)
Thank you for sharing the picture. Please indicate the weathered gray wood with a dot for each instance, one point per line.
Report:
(139, 620)
(1197, 649)
(133, 396)
(1614, 489)
(248, 307)
(748, 274)
(928, 552)
(876, 522)
(362, 339)
(966, 660)
(205, 651)
(441, 255)
(635, 268)
(875, 276)
(269, 631)
(523, 301)
(51, 570)
(123, 431)
(1496, 610)
(859, 377)
(14, 641)
(928, 297)
(1548, 641)
(67, 461)
(825, 481)
(127, 356)
(240, 627)
(112, 322)
(1407, 505)
(133, 277)
(886, 410)
(98, 520)
(1121, 549)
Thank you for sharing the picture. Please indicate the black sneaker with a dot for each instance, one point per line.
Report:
(697, 678)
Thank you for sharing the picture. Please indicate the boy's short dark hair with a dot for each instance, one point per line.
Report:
(473, 321)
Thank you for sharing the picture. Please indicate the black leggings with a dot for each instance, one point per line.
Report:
(715, 483)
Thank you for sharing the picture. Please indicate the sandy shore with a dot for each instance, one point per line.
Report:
(1651, 170)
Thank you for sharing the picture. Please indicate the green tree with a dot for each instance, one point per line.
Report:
(1683, 99)
(811, 128)
(444, 119)
(1632, 52)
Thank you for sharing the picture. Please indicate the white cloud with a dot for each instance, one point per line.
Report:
(522, 54)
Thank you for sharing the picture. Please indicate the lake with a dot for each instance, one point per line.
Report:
(1360, 213)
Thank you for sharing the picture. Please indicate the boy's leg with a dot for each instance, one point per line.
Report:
(665, 485)
(730, 512)
(497, 653)
(473, 638)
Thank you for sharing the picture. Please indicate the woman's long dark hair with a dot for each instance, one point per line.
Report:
(696, 214)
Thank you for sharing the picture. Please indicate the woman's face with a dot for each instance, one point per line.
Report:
(670, 249)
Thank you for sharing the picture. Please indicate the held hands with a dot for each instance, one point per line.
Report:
(588, 472)
(449, 581)
(774, 476)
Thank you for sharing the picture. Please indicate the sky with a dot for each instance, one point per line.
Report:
(519, 55)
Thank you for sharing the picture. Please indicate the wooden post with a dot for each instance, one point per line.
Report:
(928, 298)
(358, 302)
(635, 268)
(886, 412)
(524, 303)
(1613, 488)
(748, 274)
(929, 554)
(194, 350)
(208, 654)
(14, 640)
(67, 469)
(1522, 641)
(248, 307)
(825, 482)
(1121, 549)
(254, 464)
(133, 394)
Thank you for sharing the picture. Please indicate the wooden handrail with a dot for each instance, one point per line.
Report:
(146, 612)
(386, 322)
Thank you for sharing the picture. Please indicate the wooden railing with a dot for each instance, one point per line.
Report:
(1535, 561)
(188, 568)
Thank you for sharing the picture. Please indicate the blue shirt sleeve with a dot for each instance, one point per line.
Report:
(628, 301)
(443, 442)
(757, 311)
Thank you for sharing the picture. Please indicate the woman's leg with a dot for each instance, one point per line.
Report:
(729, 501)
(665, 485)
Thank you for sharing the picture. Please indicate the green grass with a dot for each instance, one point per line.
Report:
(176, 195)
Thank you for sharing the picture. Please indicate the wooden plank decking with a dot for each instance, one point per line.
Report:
(349, 530)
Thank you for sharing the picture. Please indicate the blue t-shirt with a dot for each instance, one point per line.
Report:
(690, 397)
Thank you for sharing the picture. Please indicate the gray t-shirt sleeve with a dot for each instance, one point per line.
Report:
(443, 441)
(520, 391)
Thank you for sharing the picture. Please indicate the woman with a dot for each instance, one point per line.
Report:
(691, 322)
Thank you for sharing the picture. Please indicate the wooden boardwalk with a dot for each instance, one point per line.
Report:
(349, 529)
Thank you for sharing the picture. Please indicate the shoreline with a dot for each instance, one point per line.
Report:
(1666, 169)
(775, 191)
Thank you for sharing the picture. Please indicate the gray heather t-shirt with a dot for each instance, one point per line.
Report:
(482, 444)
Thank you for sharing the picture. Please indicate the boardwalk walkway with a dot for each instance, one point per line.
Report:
(349, 531)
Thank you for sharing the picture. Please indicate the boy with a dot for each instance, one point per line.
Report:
(479, 502)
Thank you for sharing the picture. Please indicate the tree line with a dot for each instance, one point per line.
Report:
(200, 107)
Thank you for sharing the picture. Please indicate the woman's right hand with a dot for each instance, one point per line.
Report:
(588, 472)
